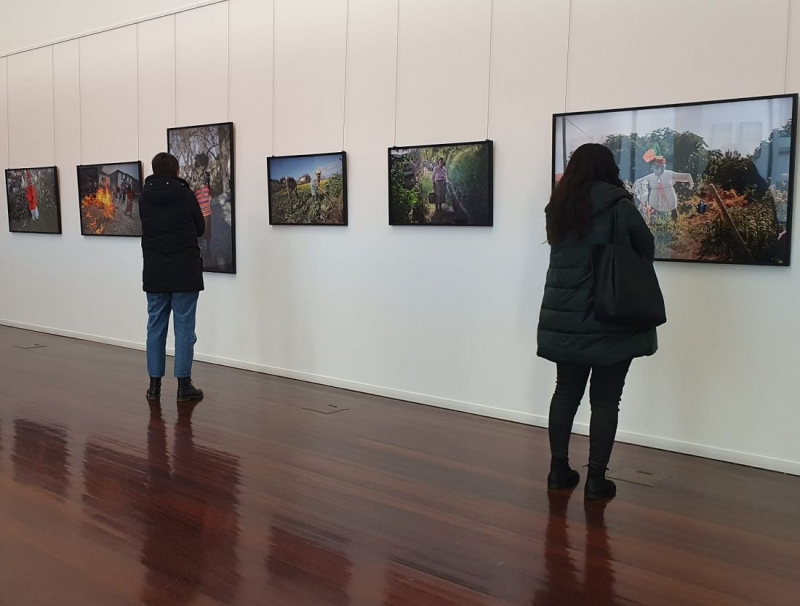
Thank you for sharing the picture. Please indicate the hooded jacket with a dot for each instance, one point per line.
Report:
(171, 223)
(568, 331)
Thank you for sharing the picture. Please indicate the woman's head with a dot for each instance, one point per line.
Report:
(165, 165)
(590, 163)
(441, 161)
(570, 209)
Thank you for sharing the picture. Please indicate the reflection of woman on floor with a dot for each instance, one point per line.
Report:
(440, 181)
(661, 185)
(32, 196)
(203, 194)
(561, 585)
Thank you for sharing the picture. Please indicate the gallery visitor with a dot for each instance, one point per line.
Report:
(658, 188)
(440, 183)
(173, 273)
(586, 205)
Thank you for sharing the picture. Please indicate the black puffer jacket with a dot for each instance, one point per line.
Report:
(568, 331)
(171, 224)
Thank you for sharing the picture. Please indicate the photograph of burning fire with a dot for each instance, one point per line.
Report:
(205, 156)
(33, 200)
(712, 180)
(109, 199)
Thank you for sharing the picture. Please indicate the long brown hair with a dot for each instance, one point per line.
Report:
(570, 210)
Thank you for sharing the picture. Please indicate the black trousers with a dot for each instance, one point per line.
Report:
(605, 394)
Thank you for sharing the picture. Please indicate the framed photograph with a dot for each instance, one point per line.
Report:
(713, 180)
(308, 189)
(205, 155)
(109, 199)
(444, 184)
(34, 206)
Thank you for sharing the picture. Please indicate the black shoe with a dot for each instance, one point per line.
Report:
(561, 475)
(560, 480)
(598, 488)
(154, 393)
(187, 392)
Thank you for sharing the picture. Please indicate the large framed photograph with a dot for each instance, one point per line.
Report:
(205, 155)
(109, 199)
(445, 184)
(308, 189)
(713, 180)
(34, 205)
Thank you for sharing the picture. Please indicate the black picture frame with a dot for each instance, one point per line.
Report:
(490, 183)
(138, 164)
(792, 160)
(233, 265)
(272, 159)
(56, 193)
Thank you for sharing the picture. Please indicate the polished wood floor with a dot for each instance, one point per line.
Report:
(250, 498)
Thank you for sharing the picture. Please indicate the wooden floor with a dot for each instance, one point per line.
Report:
(249, 498)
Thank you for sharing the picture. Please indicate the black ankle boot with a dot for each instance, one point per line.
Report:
(598, 488)
(187, 392)
(561, 475)
(154, 393)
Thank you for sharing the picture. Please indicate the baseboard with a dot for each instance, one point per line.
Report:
(639, 439)
(83, 336)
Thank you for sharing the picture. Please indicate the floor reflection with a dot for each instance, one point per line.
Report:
(562, 585)
(189, 509)
(179, 509)
(406, 585)
(308, 565)
(599, 576)
(112, 480)
(40, 456)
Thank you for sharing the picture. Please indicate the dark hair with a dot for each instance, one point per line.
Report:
(165, 165)
(570, 210)
(441, 159)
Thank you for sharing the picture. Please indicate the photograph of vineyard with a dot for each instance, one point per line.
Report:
(711, 180)
(109, 199)
(33, 200)
(441, 184)
(205, 157)
(308, 189)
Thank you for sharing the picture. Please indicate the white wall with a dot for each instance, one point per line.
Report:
(35, 22)
(440, 316)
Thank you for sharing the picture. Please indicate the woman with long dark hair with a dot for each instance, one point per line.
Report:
(589, 203)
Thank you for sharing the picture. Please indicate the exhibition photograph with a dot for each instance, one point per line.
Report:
(399, 303)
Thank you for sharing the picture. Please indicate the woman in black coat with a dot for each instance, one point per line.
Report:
(580, 216)
(173, 272)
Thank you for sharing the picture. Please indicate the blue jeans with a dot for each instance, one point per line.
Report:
(183, 306)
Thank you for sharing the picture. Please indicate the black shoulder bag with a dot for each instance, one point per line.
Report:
(626, 289)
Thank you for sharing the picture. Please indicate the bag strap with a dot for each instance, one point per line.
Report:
(616, 210)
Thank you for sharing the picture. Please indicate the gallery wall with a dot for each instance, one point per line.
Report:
(445, 317)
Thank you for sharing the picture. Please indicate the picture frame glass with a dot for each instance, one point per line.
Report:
(712, 180)
(309, 189)
(33, 198)
(441, 184)
(205, 156)
(108, 197)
